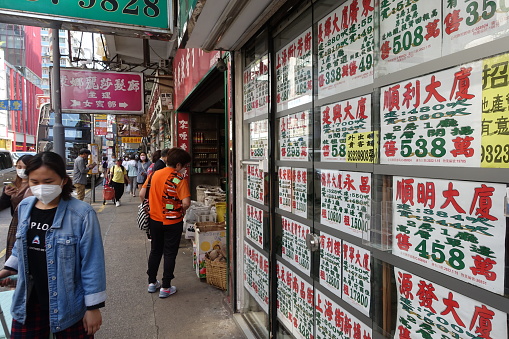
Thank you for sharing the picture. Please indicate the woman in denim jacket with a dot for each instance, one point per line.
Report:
(58, 256)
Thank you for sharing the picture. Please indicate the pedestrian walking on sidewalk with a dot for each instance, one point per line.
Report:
(143, 166)
(58, 257)
(79, 176)
(155, 158)
(118, 179)
(169, 198)
(132, 174)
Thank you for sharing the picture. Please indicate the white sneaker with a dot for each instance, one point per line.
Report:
(117, 203)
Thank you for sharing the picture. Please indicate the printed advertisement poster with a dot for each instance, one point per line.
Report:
(453, 227)
(362, 147)
(334, 322)
(357, 277)
(433, 120)
(346, 201)
(254, 225)
(300, 192)
(428, 310)
(256, 276)
(258, 139)
(256, 88)
(284, 176)
(330, 263)
(294, 302)
(340, 119)
(101, 124)
(294, 136)
(294, 72)
(345, 48)
(471, 23)
(495, 112)
(294, 247)
(411, 33)
(255, 184)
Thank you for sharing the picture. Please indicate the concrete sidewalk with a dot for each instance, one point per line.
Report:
(195, 311)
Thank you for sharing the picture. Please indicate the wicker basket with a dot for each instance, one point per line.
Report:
(216, 273)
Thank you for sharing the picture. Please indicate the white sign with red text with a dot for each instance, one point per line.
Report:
(255, 184)
(294, 247)
(300, 192)
(284, 175)
(294, 136)
(254, 225)
(256, 275)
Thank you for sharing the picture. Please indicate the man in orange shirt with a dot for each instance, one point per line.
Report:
(169, 198)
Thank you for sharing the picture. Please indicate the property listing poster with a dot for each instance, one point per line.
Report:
(345, 48)
(471, 23)
(362, 147)
(428, 310)
(346, 201)
(300, 192)
(284, 175)
(254, 225)
(258, 139)
(495, 112)
(357, 277)
(434, 119)
(256, 276)
(340, 119)
(256, 88)
(294, 72)
(255, 184)
(294, 302)
(410, 33)
(294, 136)
(330, 263)
(334, 322)
(454, 227)
(294, 247)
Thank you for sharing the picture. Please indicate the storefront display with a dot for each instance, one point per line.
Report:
(256, 88)
(256, 275)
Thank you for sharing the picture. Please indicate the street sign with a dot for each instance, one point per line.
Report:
(89, 91)
(131, 140)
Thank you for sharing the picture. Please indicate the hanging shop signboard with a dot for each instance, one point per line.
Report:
(256, 276)
(300, 192)
(471, 23)
(255, 184)
(86, 91)
(256, 88)
(258, 139)
(454, 227)
(294, 136)
(332, 321)
(254, 225)
(428, 310)
(183, 131)
(357, 277)
(411, 33)
(362, 147)
(294, 247)
(295, 299)
(294, 72)
(345, 48)
(340, 119)
(101, 124)
(434, 119)
(284, 175)
(330, 263)
(346, 201)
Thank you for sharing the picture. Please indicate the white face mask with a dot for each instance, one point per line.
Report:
(143, 157)
(46, 193)
(21, 173)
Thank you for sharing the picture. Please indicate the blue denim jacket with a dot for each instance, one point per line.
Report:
(75, 260)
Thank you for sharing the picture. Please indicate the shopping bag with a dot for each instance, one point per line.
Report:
(143, 215)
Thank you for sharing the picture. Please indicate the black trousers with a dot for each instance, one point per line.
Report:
(119, 189)
(165, 241)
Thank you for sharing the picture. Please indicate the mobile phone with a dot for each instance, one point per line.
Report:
(8, 183)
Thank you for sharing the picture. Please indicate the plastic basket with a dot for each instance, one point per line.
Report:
(216, 273)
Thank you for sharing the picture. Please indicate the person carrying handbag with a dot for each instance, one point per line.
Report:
(118, 179)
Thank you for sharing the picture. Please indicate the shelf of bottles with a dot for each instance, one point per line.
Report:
(205, 152)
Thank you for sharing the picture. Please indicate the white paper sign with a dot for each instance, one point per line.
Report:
(294, 247)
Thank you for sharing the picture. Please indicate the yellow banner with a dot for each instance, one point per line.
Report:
(495, 112)
(131, 140)
(362, 147)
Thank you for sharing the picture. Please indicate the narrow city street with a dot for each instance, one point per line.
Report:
(196, 311)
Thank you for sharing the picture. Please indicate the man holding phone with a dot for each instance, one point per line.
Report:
(79, 177)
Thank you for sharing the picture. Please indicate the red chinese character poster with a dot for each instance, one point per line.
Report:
(255, 184)
(454, 227)
(294, 248)
(356, 263)
(183, 131)
(254, 225)
(300, 192)
(345, 48)
(284, 176)
(434, 119)
(256, 88)
(294, 136)
(428, 310)
(330, 271)
(256, 275)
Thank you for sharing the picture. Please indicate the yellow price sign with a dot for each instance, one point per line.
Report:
(131, 140)
(362, 147)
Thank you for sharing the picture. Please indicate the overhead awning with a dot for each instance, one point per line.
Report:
(207, 96)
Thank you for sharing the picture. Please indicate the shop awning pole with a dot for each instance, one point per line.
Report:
(58, 128)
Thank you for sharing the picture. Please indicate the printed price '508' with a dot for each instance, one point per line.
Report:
(150, 9)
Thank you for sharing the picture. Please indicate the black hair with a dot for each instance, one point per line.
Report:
(24, 159)
(156, 156)
(54, 162)
(176, 156)
(164, 152)
(146, 157)
(132, 157)
(84, 151)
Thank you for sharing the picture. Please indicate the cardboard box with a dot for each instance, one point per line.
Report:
(208, 236)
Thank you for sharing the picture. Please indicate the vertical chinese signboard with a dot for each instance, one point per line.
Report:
(294, 72)
(258, 139)
(183, 131)
(357, 277)
(300, 192)
(294, 247)
(433, 120)
(411, 33)
(293, 136)
(256, 276)
(346, 201)
(285, 188)
(428, 310)
(254, 225)
(340, 119)
(256, 88)
(454, 227)
(345, 48)
(330, 263)
(255, 184)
